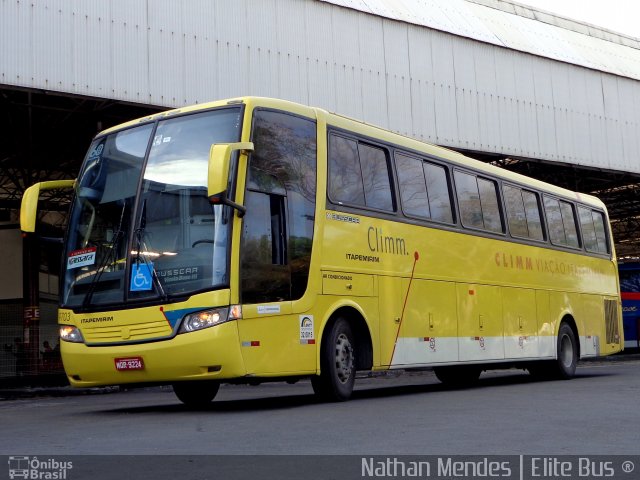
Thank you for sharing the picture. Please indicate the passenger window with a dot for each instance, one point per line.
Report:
(601, 233)
(562, 224)
(424, 189)
(588, 230)
(375, 175)
(413, 187)
(490, 207)
(569, 221)
(438, 190)
(523, 213)
(359, 174)
(345, 184)
(469, 200)
(593, 231)
(516, 215)
(478, 201)
(534, 218)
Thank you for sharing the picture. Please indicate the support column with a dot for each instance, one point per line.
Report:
(31, 306)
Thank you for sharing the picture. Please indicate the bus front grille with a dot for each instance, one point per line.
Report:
(127, 333)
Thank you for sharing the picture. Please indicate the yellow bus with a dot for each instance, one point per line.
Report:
(254, 239)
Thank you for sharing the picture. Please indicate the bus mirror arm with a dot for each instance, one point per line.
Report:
(223, 200)
(29, 204)
(219, 172)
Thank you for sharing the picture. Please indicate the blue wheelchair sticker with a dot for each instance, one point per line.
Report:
(141, 277)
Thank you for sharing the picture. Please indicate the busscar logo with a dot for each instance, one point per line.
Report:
(36, 469)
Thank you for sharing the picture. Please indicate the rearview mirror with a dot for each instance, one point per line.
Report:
(29, 206)
(218, 174)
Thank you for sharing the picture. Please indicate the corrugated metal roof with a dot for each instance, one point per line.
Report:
(515, 26)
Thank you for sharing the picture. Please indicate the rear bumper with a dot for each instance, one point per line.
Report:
(210, 354)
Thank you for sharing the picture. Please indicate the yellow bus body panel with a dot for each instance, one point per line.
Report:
(146, 333)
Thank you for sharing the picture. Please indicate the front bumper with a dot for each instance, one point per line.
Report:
(209, 354)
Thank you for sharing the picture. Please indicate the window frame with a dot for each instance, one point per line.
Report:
(450, 166)
(447, 172)
(385, 148)
(541, 213)
(499, 197)
(578, 230)
(607, 236)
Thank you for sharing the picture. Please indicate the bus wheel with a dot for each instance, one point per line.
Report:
(337, 369)
(196, 394)
(564, 367)
(458, 375)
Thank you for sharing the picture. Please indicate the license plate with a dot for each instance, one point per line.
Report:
(130, 363)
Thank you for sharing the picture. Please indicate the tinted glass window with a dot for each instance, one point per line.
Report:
(438, 192)
(490, 207)
(561, 220)
(569, 221)
(516, 215)
(413, 188)
(478, 202)
(345, 182)
(601, 233)
(523, 213)
(359, 174)
(593, 231)
(280, 201)
(588, 230)
(424, 189)
(554, 220)
(375, 175)
(534, 219)
(469, 200)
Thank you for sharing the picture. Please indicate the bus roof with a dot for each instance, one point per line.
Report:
(375, 132)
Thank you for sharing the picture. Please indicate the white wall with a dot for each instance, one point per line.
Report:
(449, 89)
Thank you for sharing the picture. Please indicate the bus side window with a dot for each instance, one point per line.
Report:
(265, 275)
(478, 201)
(359, 174)
(424, 189)
(375, 174)
(345, 183)
(593, 233)
(523, 213)
(280, 201)
(562, 222)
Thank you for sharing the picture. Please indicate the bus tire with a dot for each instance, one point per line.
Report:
(337, 364)
(567, 361)
(458, 375)
(564, 366)
(196, 394)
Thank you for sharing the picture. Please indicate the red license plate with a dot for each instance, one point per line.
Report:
(129, 363)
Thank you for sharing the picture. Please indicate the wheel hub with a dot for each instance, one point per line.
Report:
(566, 351)
(344, 358)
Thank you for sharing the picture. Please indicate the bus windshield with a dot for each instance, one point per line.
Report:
(141, 226)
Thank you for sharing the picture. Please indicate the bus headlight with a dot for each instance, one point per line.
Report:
(69, 333)
(204, 319)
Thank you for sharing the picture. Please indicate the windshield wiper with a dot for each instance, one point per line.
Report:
(118, 235)
(139, 239)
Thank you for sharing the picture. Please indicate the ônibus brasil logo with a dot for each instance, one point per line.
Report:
(36, 469)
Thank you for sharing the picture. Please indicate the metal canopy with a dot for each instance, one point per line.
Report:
(517, 27)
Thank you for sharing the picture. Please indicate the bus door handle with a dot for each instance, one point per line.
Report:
(481, 321)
